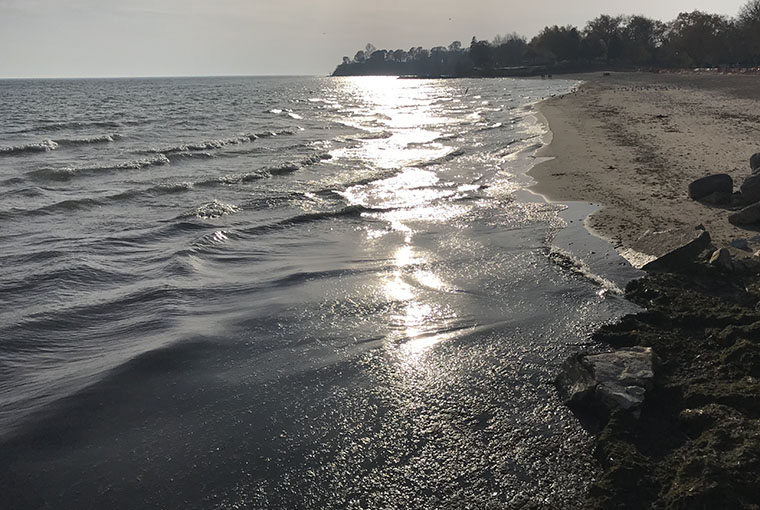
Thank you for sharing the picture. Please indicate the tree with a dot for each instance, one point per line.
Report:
(399, 55)
(509, 50)
(378, 56)
(605, 30)
(750, 12)
(642, 37)
(360, 56)
(748, 33)
(558, 43)
(700, 39)
(480, 53)
(455, 47)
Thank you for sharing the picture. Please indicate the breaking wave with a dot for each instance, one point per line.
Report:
(51, 145)
(66, 173)
(209, 145)
(43, 146)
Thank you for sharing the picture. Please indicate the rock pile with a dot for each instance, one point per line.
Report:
(718, 189)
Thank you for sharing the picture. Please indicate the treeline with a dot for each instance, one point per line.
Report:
(693, 39)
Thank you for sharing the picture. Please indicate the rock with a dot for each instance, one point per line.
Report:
(750, 189)
(595, 386)
(748, 216)
(718, 198)
(747, 265)
(722, 259)
(754, 162)
(670, 249)
(740, 244)
(718, 183)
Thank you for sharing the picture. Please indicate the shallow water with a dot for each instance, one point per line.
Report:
(285, 293)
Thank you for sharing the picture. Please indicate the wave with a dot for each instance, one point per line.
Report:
(294, 167)
(211, 210)
(12, 181)
(351, 211)
(91, 140)
(62, 126)
(206, 145)
(160, 189)
(265, 173)
(75, 204)
(80, 125)
(68, 205)
(209, 145)
(51, 145)
(66, 173)
(56, 276)
(287, 168)
(287, 111)
(578, 267)
(443, 159)
(43, 146)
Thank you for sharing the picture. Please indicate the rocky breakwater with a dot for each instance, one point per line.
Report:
(675, 403)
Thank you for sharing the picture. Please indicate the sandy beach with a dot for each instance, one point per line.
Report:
(634, 141)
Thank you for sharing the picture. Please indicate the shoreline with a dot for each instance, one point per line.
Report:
(632, 143)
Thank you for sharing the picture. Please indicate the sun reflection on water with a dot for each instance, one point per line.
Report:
(405, 119)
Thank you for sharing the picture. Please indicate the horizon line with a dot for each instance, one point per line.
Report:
(136, 77)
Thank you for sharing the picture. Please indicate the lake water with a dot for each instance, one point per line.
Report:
(285, 293)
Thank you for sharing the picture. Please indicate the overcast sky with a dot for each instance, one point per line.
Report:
(66, 38)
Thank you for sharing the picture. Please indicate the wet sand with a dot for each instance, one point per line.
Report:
(634, 141)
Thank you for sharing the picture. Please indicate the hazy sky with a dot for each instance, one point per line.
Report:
(62, 38)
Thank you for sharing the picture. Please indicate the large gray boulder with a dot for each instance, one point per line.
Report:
(747, 217)
(670, 249)
(595, 386)
(750, 189)
(718, 183)
(754, 162)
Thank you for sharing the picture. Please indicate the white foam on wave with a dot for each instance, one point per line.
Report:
(43, 146)
(214, 209)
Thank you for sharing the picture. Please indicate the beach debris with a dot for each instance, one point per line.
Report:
(750, 189)
(748, 216)
(754, 162)
(722, 260)
(667, 250)
(718, 183)
(595, 386)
